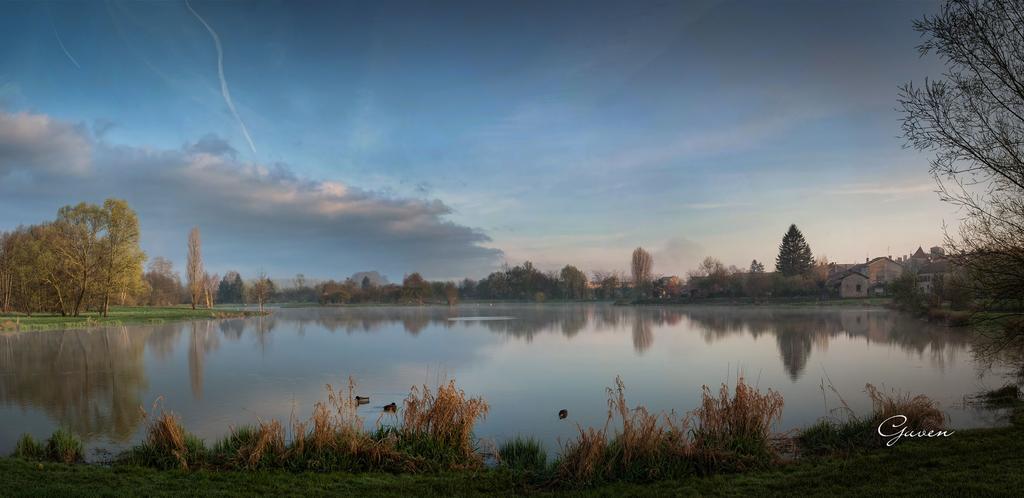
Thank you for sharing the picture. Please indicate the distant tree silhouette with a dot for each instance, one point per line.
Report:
(756, 266)
(194, 267)
(795, 256)
(642, 265)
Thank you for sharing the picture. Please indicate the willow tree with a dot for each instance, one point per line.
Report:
(77, 241)
(194, 268)
(642, 265)
(122, 258)
(972, 119)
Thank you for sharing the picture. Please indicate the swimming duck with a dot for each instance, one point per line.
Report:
(563, 413)
(362, 400)
(391, 408)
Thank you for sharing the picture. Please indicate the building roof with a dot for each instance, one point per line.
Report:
(919, 253)
(837, 278)
(884, 257)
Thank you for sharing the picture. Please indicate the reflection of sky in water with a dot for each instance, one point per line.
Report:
(528, 361)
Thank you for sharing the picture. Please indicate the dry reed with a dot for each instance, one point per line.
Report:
(731, 432)
(921, 411)
(445, 419)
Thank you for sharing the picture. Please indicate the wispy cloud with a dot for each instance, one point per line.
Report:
(62, 47)
(223, 81)
(703, 206)
(880, 189)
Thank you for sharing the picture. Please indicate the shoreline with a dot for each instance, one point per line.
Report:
(120, 315)
(872, 302)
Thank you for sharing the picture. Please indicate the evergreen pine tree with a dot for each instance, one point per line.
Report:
(794, 254)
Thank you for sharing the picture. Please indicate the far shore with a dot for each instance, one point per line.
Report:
(724, 301)
(129, 315)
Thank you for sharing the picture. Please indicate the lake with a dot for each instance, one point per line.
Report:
(528, 361)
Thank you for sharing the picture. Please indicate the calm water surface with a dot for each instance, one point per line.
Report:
(527, 361)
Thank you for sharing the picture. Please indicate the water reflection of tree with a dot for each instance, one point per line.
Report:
(90, 381)
(202, 341)
(798, 332)
(232, 329)
(643, 337)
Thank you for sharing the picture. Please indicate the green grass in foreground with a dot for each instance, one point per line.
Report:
(119, 315)
(970, 462)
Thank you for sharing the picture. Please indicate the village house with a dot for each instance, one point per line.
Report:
(930, 273)
(880, 273)
(850, 283)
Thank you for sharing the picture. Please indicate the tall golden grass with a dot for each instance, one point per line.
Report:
(921, 411)
(436, 430)
(734, 431)
(729, 432)
(444, 417)
(168, 444)
(850, 432)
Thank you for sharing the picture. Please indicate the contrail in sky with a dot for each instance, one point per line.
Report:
(223, 82)
(61, 42)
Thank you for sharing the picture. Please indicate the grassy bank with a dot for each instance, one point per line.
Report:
(971, 462)
(119, 315)
(430, 451)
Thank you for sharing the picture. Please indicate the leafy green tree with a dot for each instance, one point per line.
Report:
(122, 257)
(795, 256)
(78, 242)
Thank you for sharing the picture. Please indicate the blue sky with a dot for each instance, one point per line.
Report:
(450, 137)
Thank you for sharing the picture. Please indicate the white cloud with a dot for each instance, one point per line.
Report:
(257, 212)
(40, 144)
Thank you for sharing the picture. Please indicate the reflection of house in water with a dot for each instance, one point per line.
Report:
(799, 332)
